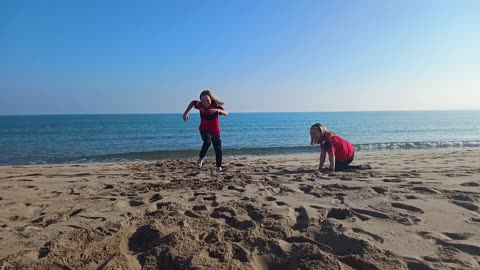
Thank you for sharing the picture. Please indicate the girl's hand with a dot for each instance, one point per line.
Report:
(185, 117)
(215, 111)
(219, 111)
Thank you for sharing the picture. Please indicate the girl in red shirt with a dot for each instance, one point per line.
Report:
(210, 108)
(340, 152)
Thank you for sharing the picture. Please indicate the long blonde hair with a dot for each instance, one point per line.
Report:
(323, 130)
(215, 100)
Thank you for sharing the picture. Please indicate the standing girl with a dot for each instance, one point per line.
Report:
(210, 108)
(340, 152)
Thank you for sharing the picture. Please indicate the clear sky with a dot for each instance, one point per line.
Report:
(123, 56)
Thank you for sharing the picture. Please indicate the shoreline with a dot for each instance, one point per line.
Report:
(414, 209)
(192, 154)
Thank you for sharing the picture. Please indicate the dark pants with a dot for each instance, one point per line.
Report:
(208, 138)
(343, 165)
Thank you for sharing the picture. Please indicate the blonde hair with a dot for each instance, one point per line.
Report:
(215, 100)
(323, 130)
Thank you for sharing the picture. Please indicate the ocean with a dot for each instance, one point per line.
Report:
(46, 139)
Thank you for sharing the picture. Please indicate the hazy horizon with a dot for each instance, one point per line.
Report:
(252, 112)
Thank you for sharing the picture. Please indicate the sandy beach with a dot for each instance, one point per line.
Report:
(412, 210)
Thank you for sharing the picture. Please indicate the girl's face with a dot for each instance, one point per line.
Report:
(315, 135)
(206, 101)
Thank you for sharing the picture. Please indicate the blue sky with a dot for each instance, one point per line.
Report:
(61, 57)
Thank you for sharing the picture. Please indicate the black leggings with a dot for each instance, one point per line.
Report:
(343, 165)
(208, 138)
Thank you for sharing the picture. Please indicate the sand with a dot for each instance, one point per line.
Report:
(412, 210)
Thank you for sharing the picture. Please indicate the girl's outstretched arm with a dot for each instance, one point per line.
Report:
(223, 112)
(323, 154)
(190, 106)
(220, 112)
(331, 158)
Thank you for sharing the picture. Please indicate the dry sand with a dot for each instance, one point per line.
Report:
(413, 210)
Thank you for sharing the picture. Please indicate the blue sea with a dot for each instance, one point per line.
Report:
(45, 139)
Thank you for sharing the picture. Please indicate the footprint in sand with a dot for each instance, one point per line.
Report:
(108, 186)
(303, 221)
(76, 212)
(156, 197)
(475, 219)
(34, 174)
(372, 235)
(458, 236)
(280, 203)
(347, 245)
(192, 214)
(30, 187)
(44, 250)
(167, 205)
(15, 218)
(239, 189)
(136, 203)
(230, 217)
(200, 208)
(335, 187)
(211, 197)
(408, 207)
(470, 184)
(254, 213)
(340, 213)
(416, 182)
(380, 190)
(393, 180)
(298, 179)
(361, 213)
(145, 238)
(220, 212)
(46, 220)
(93, 217)
(83, 174)
(470, 249)
(462, 197)
(24, 180)
(426, 190)
(466, 205)
(307, 189)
